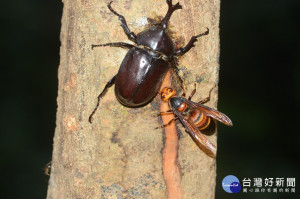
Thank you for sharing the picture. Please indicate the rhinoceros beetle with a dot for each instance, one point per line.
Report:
(143, 68)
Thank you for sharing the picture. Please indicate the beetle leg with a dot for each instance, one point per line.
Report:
(182, 51)
(171, 9)
(131, 36)
(116, 44)
(109, 84)
(175, 69)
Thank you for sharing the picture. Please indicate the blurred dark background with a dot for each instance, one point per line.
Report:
(259, 90)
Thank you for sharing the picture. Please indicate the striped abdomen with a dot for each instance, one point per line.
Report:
(205, 123)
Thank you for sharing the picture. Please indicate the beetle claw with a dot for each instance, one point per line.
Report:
(177, 6)
(205, 33)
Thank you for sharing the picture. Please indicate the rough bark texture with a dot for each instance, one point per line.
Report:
(120, 154)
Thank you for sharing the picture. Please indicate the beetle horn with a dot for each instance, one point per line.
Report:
(171, 9)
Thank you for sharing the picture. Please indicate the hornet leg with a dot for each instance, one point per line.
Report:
(193, 92)
(173, 119)
(207, 98)
(165, 113)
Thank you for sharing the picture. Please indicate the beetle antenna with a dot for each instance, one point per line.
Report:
(171, 9)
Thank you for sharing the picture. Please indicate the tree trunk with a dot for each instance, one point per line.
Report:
(119, 155)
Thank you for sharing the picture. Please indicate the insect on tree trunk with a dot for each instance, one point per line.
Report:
(120, 155)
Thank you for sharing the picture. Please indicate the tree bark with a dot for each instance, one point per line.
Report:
(119, 155)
